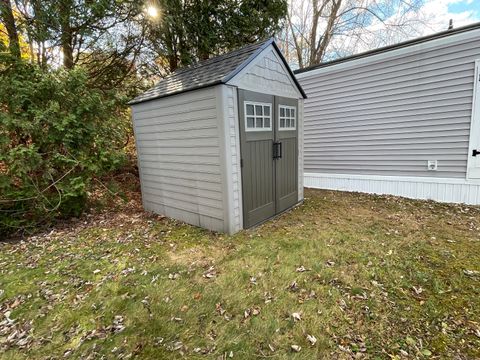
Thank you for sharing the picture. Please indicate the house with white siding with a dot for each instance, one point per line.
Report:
(219, 143)
(401, 120)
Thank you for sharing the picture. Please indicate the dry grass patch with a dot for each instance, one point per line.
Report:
(342, 276)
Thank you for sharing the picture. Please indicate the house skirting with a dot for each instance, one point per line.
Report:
(439, 189)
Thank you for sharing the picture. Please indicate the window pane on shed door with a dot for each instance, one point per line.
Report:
(259, 123)
(287, 112)
(250, 122)
(249, 109)
(293, 113)
(282, 123)
(292, 123)
(282, 112)
(266, 110)
(266, 122)
(287, 123)
(258, 110)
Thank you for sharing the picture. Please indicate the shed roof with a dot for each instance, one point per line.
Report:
(217, 70)
(400, 45)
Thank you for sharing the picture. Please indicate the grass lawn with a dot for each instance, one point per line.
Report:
(342, 276)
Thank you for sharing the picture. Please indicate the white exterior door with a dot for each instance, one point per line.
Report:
(473, 170)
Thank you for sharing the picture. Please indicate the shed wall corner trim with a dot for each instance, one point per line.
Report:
(230, 156)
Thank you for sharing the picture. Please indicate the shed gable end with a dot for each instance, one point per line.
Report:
(267, 74)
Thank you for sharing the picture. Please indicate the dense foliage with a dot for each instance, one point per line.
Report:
(57, 134)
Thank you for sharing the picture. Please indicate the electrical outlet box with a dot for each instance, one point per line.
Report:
(432, 165)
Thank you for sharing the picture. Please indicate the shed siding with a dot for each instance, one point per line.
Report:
(389, 115)
(178, 147)
(266, 74)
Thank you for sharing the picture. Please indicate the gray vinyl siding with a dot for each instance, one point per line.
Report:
(178, 148)
(388, 116)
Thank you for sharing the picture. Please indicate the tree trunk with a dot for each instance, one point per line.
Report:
(66, 37)
(298, 46)
(327, 36)
(9, 21)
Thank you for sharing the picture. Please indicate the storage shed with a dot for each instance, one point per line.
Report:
(401, 120)
(219, 143)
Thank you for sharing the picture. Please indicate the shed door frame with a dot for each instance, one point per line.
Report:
(473, 163)
(258, 148)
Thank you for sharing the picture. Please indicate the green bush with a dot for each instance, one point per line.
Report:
(57, 133)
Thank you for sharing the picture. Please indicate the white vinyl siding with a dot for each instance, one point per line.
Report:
(389, 115)
(178, 148)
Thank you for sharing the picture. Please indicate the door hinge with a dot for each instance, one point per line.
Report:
(475, 152)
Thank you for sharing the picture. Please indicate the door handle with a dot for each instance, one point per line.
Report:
(277, 150)
(475, 152)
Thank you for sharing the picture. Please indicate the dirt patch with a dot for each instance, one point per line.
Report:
(197, 256)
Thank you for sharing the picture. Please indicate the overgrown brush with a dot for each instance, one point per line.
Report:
(57, 133)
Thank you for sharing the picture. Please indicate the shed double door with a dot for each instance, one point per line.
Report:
(269, 151)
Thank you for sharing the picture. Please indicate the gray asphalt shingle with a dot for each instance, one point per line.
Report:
(204, 73)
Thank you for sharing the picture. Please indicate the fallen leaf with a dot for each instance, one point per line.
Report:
(312, 339)
(210, 273)
(471, 272)
(410, 341)
(418, 290)
(296, 316)
(173, 276)
(426, 352)
(268, 297)
(301, 269)
(296, 348)
(293, 286)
